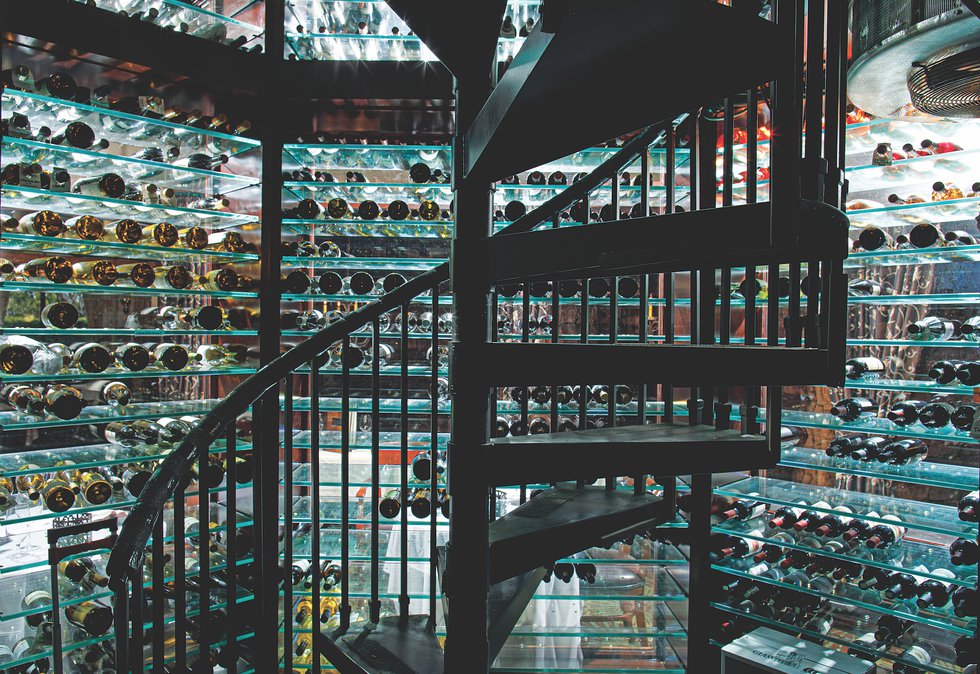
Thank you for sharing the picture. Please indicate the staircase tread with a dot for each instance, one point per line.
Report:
(639, 434)
(563, 520)
(388, 647)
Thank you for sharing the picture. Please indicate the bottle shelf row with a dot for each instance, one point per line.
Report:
(923, 518)
(27, 198)
(94, 288)
(70, 333)
(124, 129)
(876, 425)
(88, 163)
(115, 249)
(115, 373)
(103, 414)
(864, 599)
(900, 557)
(850, 625)
(942, 475)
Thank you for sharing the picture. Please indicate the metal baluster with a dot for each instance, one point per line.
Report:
(375, 606)
(707, 191)
(752, 393)
(525, 337)
(180, 582)
(670, 192)
(613, 325)
(157, 585)
(584, 333)
(727, 179)
(314, 457)
(345, 607)
(403, 601)
(555, 330)
(433, 474)
(639, 481)
(203, 553)
(287, 490)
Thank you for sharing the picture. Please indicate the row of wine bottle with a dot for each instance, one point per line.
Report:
(338, 209)
(20, 355)
(598, 394)
(61, 271)
(892, 451)
(852, 579)
(90, 228)
(57, 181)
(941, 191)
(923, 235)
(883, 154)
(892, 638)
(933, 414)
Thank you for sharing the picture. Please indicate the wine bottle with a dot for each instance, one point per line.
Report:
(131, 434)
(831, 525)
(874, 578)
(539, 425)
(420, 503)
(94, 618)
(390, 282)
(55, 269)
(963, 418)
(934, 328)
(102, 272)
(785, 517)
(85, 227)
(23, 398)
(94, 488)
(866, 288)
(933, 592)
(429, 210)
(107, 185)
(140, 274)
(970, 329)
(359, 283)
(969, 373)
(925, 235)
(869, 448)
(885, 535)
(843, 445)
(852, 409)
(965, 602)
(808, 519)
(868, 366)
(330, 283)
(944, 371)
(83, 571)
(91, 357)
(873, 238)
(63, 402)
(59, 315)
(78, 135)
(969, 507)
(936, 414)
(745, 509)
(891, 629)
(295, 282)
(225, 280)
(135, 478)
(903, 452)
(514, 210)
(57, 495)
(905, 413)
(37, 605)
(169, 356)
(390, 504)
(738, 547)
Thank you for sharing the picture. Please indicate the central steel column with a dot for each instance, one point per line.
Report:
(466, 581)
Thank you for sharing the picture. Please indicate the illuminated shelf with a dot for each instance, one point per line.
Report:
(332, 157)
(89, 163)
(918, 173)
(115, 373)
(121, 128)
(911, 386)
(942, 475)
(136, 332)
(924, 517)
(424, 229)
(114, 249)
(900, 557)
(912, 256)
(19, 197)
(199, 21)
(103, 414)
(382, 263)
(47, 287)
(876, 425)
(907, 216)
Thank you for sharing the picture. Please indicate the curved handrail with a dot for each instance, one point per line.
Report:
(127, 556)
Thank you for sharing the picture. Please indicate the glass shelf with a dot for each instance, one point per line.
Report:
(927, 517)
(942, 475)
(124, 129)
(113, 373)
(852, 595)
(382, 263)
(424, 406)
(917, 343)
(200, 22)
(374, 157)
(88, 163)
(912, 256)
(918, 171)
(877, 425)
(47, 287)
(361, 440)
(103, 414)
(91, 456)
(416, 229)
(849, 625)
(912, 386)
(909, 215)
(949, 299)
(900, 557)
(19, 197)
(114, 249)
(137, 332)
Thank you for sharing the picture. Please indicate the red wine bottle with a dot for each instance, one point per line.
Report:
(969, 507)
(852, 409)
(906, 412)
(964, 552)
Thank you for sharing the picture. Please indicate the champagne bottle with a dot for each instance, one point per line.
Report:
(102, 272)
(925, 235)
(83, 571)
(91, 357)
(23, 398)
(94, 618)
(38, 605)
(390, 504)
(852, 409)
(429, 210)
(232, 242)
(85, 227)
(126, 231)
(338, 209)
(368, 210)
(133, 357)
(330, 283)
(19, 355)
(63, 402)
(108, 185)
(104, 392)
(219, 280)
(95, 488)
(140, 274)
(59, 315)
(195, 238)
(165, 234)
(933, 328)
(296, 282)
(176, 276)
(55, 269)
(868, 366)
(169, 356)
(57, 495)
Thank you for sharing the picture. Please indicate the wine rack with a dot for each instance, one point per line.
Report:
(919, 496)
(644, 622)
(100, 451)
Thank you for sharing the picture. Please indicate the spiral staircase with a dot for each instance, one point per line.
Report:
(552, 100)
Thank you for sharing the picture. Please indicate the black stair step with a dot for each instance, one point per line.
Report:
(506, 602)
(388, 647)
(658, 449)
(534, 114)
(714, 237)
(513, 364)
(462, 34)
(564, 520)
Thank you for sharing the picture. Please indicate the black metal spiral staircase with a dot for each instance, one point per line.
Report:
(555, 99)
